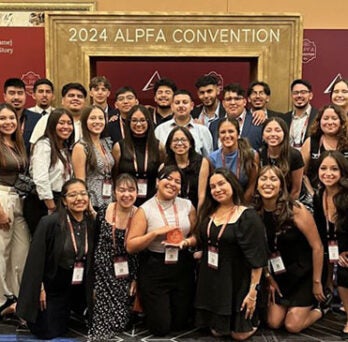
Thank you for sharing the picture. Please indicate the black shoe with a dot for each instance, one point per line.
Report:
(344, 336)
(22, 327)
(11, 299)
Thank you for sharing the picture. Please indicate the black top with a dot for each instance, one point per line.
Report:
(126, 164)
(295, 162)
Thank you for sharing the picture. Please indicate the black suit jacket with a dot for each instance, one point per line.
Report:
(42, 262)
(288, 119)
(30, 120)
(198, 109)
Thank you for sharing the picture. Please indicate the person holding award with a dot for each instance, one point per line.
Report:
(162, 230)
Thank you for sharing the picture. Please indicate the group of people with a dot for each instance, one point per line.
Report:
(219, 216)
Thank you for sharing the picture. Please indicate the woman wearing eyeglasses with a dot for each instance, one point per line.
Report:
(140, 154)
(180, 148)
(162, 230)
(58, 272)
(92, 160)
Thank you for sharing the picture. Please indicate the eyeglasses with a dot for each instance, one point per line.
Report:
(233, 98)
(177, 141)
(124, 98)
(136, 121)
(300, 92)
(73, 195)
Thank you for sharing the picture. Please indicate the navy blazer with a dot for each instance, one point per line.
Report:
(250, 131)
(30, 120)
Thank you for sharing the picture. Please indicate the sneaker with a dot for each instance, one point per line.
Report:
(11, 299)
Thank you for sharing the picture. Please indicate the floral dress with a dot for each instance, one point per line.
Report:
(112, 311)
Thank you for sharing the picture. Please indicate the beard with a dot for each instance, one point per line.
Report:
(301, 106)
(163, 107)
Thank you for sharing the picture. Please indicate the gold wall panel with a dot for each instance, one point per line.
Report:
(275, 41)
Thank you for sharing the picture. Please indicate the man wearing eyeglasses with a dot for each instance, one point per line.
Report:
(301, 117)
(234, 102)
(125, 99)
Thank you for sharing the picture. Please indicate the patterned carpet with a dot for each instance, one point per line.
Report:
(327, 329)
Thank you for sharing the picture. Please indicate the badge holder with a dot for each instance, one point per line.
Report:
(171, 255)
(121, 267)
(78, 271)
(107, 188)
(142, 188)
(213, 257)
(333, 251)
(277, 263)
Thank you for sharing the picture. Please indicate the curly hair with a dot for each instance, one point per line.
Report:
(342, 134)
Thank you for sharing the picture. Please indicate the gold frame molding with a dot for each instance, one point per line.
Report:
(56, 5)
(69, 56)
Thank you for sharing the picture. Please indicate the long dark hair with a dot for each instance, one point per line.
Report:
(91, 158)
(17, 139)
(283, 213)
(51, 135)
(283, 161)
(210, 205)
(342, 134)
(62, 210)
(340, 199)
(151, 140)
(245, 150)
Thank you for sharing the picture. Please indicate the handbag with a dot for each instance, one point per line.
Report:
(24, 185)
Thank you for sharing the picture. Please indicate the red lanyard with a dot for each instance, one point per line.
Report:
(238, 163)
(114, 226)
(223, 227)
(135, 162)
(73, 237)
(107, 163)
(161, 210)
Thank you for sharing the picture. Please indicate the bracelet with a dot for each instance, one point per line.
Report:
(267, 275)
(253, 286)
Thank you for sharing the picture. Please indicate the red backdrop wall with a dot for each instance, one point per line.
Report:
(324, 58)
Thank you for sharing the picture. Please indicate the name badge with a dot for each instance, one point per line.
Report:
(277, 263)
(333, 251)
(213, 257)
(78, 271)
(107, 189)
(171, 255)
(142, 188)
(121, 268)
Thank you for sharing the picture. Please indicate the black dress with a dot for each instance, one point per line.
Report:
(126, 164)
(220, 292)
(296, 283)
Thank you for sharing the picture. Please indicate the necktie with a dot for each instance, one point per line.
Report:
(43, 112)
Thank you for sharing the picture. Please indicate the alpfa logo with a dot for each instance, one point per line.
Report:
(309, 51)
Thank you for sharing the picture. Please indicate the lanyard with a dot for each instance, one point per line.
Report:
(121, 127)
(237, 173)
(326, 213)
(303, 131)
(231, 212)
(14, 157)
(107, 163)
(130, 215)
(135, 162)
(67, 167)
(154, 117)
(73, 240)
(161, 210)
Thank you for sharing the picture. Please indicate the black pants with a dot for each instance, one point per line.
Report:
(61, 297)
(166, 292)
